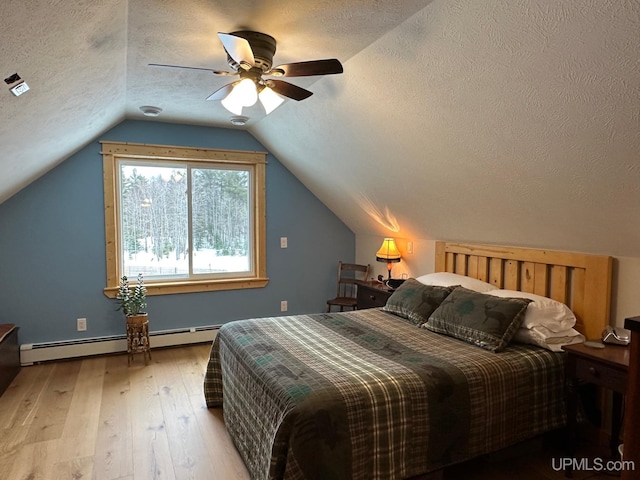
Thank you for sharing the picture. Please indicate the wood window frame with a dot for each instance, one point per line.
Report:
(113, 151)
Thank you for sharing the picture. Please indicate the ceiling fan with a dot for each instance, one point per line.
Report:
(250, 56)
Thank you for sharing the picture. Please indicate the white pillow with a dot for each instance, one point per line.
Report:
(545, 338)
(446, 279)
(542, 312)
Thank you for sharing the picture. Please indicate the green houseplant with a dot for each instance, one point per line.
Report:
(132, 301)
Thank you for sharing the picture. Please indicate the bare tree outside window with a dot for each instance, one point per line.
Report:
(156, 204)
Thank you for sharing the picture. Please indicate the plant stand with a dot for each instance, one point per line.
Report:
(138, 337)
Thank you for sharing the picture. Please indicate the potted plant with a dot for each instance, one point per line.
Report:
(132, 302)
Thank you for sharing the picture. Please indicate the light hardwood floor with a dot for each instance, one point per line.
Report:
(96, 418)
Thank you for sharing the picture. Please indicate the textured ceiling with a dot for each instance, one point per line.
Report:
(86, 63)
(483, 120)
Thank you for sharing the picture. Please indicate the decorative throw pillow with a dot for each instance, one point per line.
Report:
(484, 320)
(416, 301)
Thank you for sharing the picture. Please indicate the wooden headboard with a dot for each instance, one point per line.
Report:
(583, 282)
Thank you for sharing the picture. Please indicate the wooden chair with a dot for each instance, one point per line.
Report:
(348, 273)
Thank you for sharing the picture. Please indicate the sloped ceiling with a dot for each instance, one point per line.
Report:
(498, 121)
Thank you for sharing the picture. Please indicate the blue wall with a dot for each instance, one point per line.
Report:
(52, 247)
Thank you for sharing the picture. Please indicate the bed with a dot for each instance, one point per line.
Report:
(371, 394)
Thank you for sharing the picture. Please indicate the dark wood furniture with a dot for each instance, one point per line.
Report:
(632, 411)
(9, 355)
(372, 294)
(348, 275)
(605, 367)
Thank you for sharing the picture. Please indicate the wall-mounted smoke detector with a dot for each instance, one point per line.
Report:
(239, 120)
(150, 110)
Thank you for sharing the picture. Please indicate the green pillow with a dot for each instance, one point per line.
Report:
(483, 320)
(415, 301)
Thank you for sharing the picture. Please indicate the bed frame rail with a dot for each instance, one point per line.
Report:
(581, 281)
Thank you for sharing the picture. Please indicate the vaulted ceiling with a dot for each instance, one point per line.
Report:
(483, 120)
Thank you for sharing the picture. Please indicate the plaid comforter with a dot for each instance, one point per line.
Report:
(367, 395)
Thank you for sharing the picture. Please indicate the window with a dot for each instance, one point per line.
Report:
(188, 219)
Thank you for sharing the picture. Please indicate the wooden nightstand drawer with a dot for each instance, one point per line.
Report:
(606, 367)
(599, 374)
(372, 295)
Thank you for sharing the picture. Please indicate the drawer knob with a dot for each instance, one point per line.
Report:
(594, 372)
(372, 297)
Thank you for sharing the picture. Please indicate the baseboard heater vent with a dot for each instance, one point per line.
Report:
(31, 353)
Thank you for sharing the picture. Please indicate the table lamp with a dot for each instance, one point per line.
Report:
(388, 253)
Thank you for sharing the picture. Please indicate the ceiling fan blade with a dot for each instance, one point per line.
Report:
(314, 67)
(239, 49)
(222, 92)
(288, 89)
(215, 72)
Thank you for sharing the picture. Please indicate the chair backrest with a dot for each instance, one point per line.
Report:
(348, 273)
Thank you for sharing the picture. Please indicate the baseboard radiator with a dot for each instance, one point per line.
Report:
(31, 353)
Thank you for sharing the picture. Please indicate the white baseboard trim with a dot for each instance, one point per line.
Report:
(31, 353)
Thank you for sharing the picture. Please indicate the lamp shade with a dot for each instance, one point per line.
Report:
(388, 251)
(270, 100)
(244, 94)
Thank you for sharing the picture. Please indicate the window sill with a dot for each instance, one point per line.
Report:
(170, 288)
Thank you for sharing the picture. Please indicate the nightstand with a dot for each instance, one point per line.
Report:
(372, 294)
(605, 367)
(632, 401)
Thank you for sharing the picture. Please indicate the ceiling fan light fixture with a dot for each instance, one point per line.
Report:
(270, 100)
(250, 56)
(233, 107)
(244, 94)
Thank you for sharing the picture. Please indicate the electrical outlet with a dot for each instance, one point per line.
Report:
(283, 242)
(82, 324)
(410, 247)
(283, 306)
